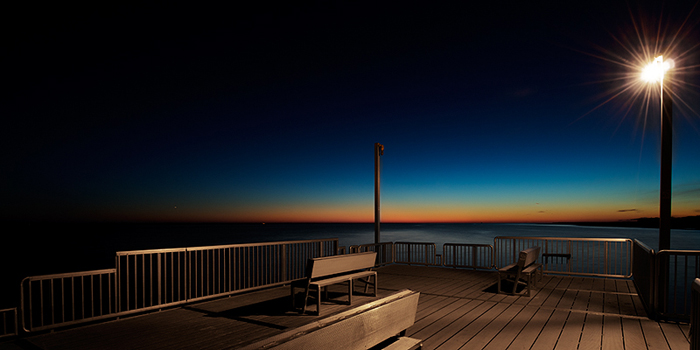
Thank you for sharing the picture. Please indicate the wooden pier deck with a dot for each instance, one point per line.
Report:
(457, 309)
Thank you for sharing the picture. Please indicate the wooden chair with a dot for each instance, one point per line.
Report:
(525, 266)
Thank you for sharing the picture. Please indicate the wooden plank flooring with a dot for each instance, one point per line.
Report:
(458, 309)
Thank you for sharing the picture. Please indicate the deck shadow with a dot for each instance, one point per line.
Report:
(253, 313)
(276, 308)
(506, 287)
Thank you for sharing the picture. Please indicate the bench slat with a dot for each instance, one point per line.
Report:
(332, 265)
(343, 278)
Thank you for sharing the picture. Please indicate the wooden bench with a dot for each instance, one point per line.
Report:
(325, 271)
(380, 324)
(525, 266)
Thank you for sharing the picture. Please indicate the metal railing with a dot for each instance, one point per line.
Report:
(475, 256)
(69, 298)
(148, 279)
(695, 316)
(643, 275)
(156, 278)
(418, 253)
(676, 270)
(385, 251)
(599, 257)
(8, 322)
(152, 279)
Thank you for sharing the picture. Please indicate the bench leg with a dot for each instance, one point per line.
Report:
(367, 282)
(293, 301)
(306, 299)
(529, 277)
(515, 282)
(376, 285)
(318, 301)
(350, 292)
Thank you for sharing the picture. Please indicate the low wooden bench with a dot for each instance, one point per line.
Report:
(526, 265)
(380, 324)
(328, 270)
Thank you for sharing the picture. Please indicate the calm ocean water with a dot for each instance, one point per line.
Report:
(56, 248)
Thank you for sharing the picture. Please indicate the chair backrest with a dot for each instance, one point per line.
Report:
(528, 256)
(335, 264)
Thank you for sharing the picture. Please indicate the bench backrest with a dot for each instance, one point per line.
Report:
(335, 264)
(356, 329)
(528, 256)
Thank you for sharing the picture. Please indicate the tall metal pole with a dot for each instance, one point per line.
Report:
(378, 151)
(666, 157)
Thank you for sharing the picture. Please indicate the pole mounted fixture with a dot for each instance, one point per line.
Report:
(378, 151)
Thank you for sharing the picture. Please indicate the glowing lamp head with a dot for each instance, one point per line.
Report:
(655, 71)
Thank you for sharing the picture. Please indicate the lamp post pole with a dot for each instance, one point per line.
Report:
(666, 161)
(653, 72)
(378, 151)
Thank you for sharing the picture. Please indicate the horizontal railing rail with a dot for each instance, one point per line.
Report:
(475, 256)
(151, 279)
(8, 322)
(416, 253)
(65, 299)
(676, 270)
(385, 251)
(599, 257)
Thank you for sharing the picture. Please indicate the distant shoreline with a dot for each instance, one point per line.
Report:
(686, 223)
(683, 223)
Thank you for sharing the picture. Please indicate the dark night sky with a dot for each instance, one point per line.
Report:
(177, 112)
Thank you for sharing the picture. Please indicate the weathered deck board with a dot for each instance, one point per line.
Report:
(457, 309)
(612, 333)
(591, 337)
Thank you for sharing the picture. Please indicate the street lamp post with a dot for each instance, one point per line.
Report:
(655, 71)
(378, 151)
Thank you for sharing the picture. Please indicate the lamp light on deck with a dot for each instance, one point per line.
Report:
(656, 72)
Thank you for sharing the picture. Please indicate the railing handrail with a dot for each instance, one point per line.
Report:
(68, 274)
(408, 242)
(679, 251)
(223, 246)
(603, 239)
(470, 244)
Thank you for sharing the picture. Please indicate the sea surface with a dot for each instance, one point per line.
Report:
(47, 248)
